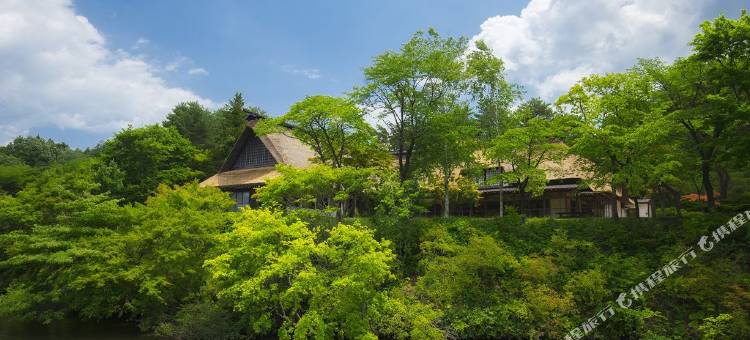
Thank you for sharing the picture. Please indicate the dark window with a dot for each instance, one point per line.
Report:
(254, 155)
(241, 198)
(488, 175)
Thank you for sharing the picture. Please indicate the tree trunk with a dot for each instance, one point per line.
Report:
(342, 206)
(659, 196)
(356, 208)
(624, 199)
(675, 196)
(706, 173)
(446, 196)
(723, 175)
(615, 211)
(502, 202)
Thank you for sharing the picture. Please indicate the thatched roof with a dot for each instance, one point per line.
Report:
(284, 148)
(241, 178)
(288, 150)
(570, 167)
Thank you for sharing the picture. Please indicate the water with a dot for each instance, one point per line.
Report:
(71, 329)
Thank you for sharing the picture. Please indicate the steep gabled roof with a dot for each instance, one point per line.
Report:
(284, 148)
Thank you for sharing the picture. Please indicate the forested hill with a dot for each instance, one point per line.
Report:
(350, 247)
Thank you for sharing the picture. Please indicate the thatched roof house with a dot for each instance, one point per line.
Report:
(253, 159)
(568, 192)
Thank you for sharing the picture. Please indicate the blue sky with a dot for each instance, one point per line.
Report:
(80, 70)
(264, 48)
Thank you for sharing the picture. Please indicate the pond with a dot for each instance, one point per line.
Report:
(72, 329)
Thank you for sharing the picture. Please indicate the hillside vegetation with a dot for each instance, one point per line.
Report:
(350, 247)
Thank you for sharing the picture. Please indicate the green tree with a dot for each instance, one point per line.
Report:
(13, 177)
(526, 147)
(448, 144)
(490, 90)
(227, 124)
(493, 96)
(475, 281)
(333, 127)
(533, 108)
(58, 232)
(59, 192)
(723, 45)
(282, 276)
(161, 265)
(37, 151)
(320, 187)
(149, 156)
(620, 120)
(193, 121)
(405, 89)
(104, 260)
(709, 97)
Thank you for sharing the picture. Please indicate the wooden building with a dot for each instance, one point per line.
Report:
(252, 161)
(253, 158)
(568, 193)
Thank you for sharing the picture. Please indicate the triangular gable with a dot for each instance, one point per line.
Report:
(250, 151)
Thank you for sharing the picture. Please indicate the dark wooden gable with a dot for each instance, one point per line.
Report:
(248, 152)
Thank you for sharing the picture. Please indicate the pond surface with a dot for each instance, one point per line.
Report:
(71, 329)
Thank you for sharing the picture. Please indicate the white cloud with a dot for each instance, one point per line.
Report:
(177, 63)
(553, 43)
(57, 71)
(140, 43)
(309, 73)
(197, 71)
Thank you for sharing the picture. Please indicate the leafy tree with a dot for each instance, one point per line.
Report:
(227, 124)
(13, 177)
(526, 147)
(689, 106)
(709, 96)
(493, 96)
(620, 122)
(37, 151)
(163, 255)
(281, 275)
(104, 260)
(333, 127)
(193, 121)
(6, 159)
(490, 90)
(533, 108)
(149, 156)
(61, 231)
(405, 88)
(60, 192)
(449, 144)
(718, 327)
(723, 45)
(319, 187)
(474, 280)
(401, 315)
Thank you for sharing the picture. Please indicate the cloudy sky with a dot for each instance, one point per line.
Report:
(77, 71)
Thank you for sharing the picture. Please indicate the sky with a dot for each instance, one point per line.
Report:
(79, 71)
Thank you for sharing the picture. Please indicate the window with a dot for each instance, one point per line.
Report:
(254, 155)
(241, 198)
(489, 174)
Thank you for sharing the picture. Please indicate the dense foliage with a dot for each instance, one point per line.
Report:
(183, 264)
(339, 249)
